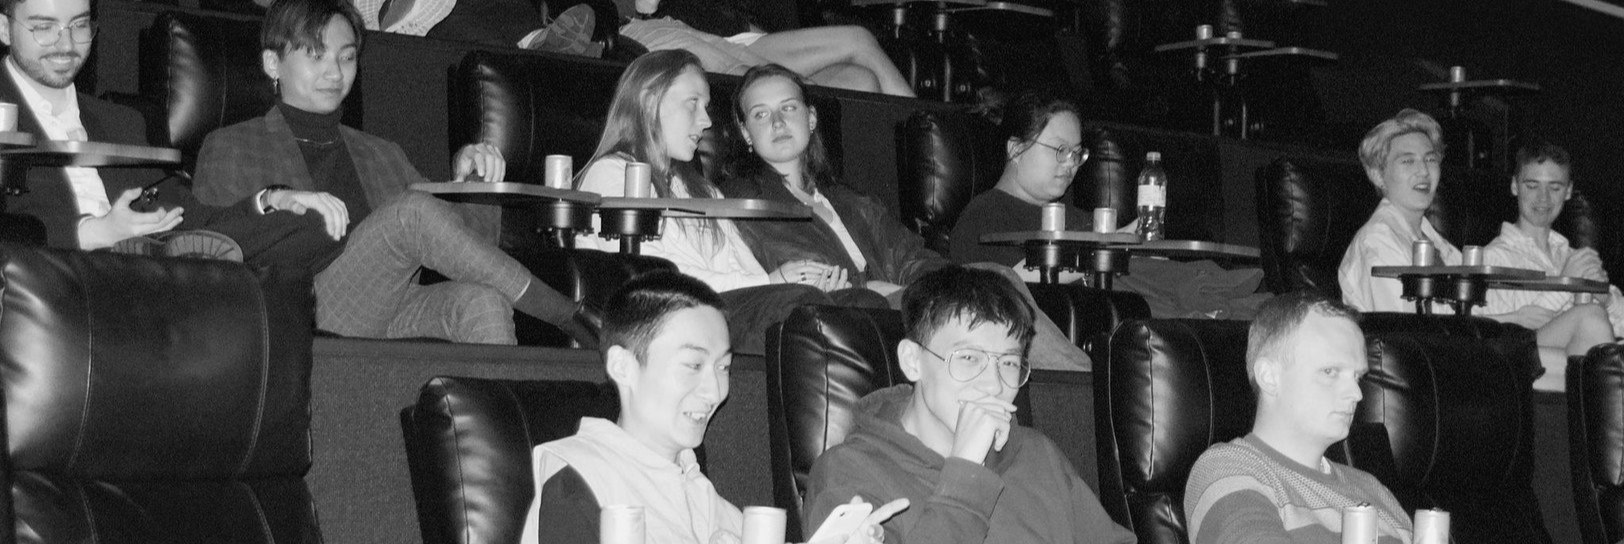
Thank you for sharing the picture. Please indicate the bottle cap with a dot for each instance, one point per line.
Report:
(1153, 156)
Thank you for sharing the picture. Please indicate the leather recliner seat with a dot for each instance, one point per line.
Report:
(154, 400)
(1446, 420)
(468, 443)
(1596, 442)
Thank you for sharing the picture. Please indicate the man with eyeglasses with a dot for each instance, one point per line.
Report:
(81, 208)
(948, 442)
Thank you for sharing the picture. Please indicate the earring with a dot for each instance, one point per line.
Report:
(276, 86)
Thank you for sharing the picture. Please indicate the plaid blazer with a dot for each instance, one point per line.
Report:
(239, 160)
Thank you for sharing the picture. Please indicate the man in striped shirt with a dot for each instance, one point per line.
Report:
(1305, 356)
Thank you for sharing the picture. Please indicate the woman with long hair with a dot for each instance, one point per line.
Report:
(774, 153)
(657, 117)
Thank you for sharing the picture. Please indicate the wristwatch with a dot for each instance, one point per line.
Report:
(264, 202)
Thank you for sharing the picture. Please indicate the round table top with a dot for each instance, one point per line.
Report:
(505, 192)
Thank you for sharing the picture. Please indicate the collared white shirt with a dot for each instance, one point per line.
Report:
(89, 194)
(827, 211)
(1385, 241)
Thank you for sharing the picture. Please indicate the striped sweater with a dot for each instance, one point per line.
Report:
(1245, 491)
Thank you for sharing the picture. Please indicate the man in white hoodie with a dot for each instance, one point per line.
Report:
(665, 346)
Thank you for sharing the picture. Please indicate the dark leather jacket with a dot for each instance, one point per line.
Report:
(894, 253)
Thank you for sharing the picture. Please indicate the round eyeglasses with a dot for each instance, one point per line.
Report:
(48, 34)
(965, 364)
(1075, 154)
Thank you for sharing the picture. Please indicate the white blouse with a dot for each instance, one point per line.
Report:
(725, 264)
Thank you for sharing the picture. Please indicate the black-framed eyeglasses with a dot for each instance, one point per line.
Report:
(965, 364)
(1075, 154)
(48, 34)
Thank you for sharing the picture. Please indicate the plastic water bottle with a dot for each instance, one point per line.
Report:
(1152, 197)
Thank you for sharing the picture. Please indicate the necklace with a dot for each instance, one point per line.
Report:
(317, 143)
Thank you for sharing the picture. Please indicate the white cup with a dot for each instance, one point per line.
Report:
(763, 525)
(8, 117)
(560, 168)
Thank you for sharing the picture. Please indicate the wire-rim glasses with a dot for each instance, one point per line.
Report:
(48, 34)
(1075, 155)
(965, 364)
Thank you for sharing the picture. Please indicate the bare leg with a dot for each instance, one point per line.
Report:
(1576, 330)
(1555, 377)
(847, 76)
(812, 50)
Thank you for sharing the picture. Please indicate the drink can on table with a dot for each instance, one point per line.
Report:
(1054, 217)
(1359, 524)
(1105, 220)
(560, 168)
(1472, 255)
(621, 524)
(1421, 253)
(1431, 526)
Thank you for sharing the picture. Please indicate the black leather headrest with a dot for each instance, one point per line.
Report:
(1596, 441)
(146, 368)
(1308, 212)
(468, 441)
(943, 161)
(1448, 422)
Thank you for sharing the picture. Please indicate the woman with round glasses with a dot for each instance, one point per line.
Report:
(1043, 149)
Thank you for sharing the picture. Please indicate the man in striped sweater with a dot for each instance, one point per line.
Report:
(1305, 356)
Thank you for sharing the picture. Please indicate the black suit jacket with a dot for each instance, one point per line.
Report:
(49, 197)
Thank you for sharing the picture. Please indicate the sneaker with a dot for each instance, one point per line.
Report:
(570, 33)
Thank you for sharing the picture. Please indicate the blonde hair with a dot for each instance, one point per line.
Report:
(1378, 142)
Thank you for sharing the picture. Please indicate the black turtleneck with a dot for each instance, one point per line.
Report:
(328, 159)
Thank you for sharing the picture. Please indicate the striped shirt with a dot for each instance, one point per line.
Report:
(1245, 491)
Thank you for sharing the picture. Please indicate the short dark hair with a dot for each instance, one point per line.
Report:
(1539, 151)
(1025, 117)
(636, 312)
(1278, 319)
(293, 25)
(975, 295)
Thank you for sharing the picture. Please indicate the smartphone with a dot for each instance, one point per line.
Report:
(147, 202)
(842, 522)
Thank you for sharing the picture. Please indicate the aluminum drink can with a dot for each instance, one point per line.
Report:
(1472, 255)
(621, 524)
(560, 168)
(1359, 524)
(1105, 220)
(1431, 526)
(763, 525)
(1054, 217)
(1421, 253)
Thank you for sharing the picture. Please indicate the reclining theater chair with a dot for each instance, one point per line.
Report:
(153, 400)
(1446, 420)
(468, 442)
(1596, 442)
